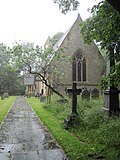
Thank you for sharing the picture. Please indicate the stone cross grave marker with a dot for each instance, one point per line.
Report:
(75, 92)
(70, 120)
(6, 95)
(86, 94)
(95, 93)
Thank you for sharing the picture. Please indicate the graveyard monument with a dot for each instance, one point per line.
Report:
(85, 94)
(71, 119)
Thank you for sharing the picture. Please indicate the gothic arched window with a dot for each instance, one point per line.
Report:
(79, 66)
(84, 69)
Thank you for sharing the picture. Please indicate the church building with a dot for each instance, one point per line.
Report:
(86, 66)
(81, 63)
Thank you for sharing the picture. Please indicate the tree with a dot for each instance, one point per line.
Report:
(104, 30)
(32, 59)
(56, 37)
(9, 77)
(5, 58)
(115, 4)
(5, 55)
(68, 5)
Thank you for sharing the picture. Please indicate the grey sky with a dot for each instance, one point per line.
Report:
(34, 20)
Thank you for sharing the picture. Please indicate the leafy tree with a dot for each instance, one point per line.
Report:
(56, 37)
(112, 79)
(115, 4)
(32, 59)
(5, 55)
(10, 80)
(67, 5)
(103, 27)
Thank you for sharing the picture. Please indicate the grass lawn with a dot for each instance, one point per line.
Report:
(5, 106)
(96, 135)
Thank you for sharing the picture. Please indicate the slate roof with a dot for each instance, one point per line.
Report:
(29, 80)
(60, 41)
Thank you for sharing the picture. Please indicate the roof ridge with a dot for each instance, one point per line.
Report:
(62, 38)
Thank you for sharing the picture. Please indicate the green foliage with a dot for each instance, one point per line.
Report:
(26, 54)
(103, 27)
(70, 144)
(34, 60)
(5, 55)
(60, 110)
(10, 79)
(56, 37)
(96, 136)
(67, 5)
(112, 79)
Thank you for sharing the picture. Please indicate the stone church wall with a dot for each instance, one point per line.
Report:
(95, 62)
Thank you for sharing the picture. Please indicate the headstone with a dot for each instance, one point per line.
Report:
(95, 93)
(6, 95)
(86, 94)
(106, 100)
(43, 98)
(111, 101)
(68, 92)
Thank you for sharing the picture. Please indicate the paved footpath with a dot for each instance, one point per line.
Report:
(23, 137)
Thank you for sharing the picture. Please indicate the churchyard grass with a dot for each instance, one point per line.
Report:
(5, 106)
(96, 135)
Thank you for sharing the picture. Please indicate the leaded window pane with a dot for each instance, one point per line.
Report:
(84, 69)
(74, 71)
(79, 71)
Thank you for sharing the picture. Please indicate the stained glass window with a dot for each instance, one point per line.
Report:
(79, 66)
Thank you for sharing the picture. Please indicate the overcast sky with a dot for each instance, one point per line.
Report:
(35, 20)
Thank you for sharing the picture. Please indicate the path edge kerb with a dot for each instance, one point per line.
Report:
(45, 127)
(8, 111)
(41, 121)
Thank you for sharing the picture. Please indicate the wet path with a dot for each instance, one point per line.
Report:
(23, 137)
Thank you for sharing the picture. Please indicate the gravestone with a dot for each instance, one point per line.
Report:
(111, 101)
(5, 95)
(71, 120)
(68, 92)
(95, 93)
(106, 100)
(86, 94)
(43, 98)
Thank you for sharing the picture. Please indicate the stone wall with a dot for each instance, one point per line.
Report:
(95, 62)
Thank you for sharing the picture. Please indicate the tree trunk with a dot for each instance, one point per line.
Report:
(114, 92)
(43, 79)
